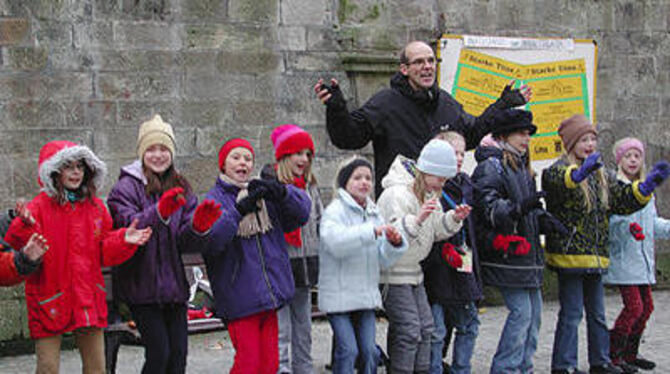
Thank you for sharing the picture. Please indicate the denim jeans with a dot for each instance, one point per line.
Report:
(410, 328)
(354, 337)
(295, 331)
(577, 292)
(518, 341)
(465, 321)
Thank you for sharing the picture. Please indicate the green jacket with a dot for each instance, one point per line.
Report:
(585, 250)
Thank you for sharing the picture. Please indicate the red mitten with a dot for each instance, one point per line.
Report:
(636, 231)
(171, 200)
(453, 258)
(522, 245)
(501, 243)
(205, 215)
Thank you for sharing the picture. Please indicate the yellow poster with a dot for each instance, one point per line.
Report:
(559, 91)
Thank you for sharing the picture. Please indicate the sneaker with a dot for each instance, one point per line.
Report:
(605, 369)
(643, 364)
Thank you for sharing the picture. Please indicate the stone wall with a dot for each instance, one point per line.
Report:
(92, 70)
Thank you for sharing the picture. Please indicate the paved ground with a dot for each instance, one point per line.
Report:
(212, 353)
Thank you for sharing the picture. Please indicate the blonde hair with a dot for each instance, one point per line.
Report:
(589, 194)
(510, 159)
(450, 136)
(285, 175)
(419, 186)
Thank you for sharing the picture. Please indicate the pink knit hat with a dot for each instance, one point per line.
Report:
(626, 144)
(288, 139)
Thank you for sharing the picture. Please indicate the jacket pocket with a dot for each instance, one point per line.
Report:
(101, 301)
(52, 312)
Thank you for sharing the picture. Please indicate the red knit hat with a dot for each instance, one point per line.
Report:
(229, 146)
(289, 139)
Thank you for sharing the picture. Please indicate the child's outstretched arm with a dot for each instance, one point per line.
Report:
(24, 225)
(294, 208)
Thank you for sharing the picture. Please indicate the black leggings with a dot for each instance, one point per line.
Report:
(164, 333)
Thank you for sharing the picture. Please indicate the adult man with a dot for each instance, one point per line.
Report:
(404, 117)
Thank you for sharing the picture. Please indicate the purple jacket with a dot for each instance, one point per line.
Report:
(251, 275)
(155, 274)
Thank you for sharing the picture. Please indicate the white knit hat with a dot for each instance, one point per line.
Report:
(437, 158)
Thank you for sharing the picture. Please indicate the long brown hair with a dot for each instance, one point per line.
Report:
(159, 183)
(86, 189)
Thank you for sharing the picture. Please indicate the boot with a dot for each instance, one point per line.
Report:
(631, 355)
(605, 369)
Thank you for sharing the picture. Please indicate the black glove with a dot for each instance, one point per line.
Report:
(249, 203)
(510, 98)
(531, 202)
(551, 225)
(336, 96)
(271, 189)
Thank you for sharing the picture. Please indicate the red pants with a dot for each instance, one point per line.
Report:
(637, 308)
(255, 341)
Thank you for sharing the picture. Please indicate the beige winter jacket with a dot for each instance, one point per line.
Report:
(398, 205)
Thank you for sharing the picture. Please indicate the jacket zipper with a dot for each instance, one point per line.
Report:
(262, 259)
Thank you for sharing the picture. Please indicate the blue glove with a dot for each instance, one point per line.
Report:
(591, 164)
(656, 176)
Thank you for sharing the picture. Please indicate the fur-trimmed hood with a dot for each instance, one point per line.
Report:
(58, 153)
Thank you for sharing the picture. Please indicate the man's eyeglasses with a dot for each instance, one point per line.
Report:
(430, 61)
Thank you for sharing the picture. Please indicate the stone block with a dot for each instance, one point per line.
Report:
(27, 143)
(106, 9)
(203, 10)
(133, 113)
(254, 113)
(637, 75)
(115, 142)
(228, 36)
(629, 15)
(209, 139)
(375, 38)
(137, 86)
(198, 114)
(24, 173)
(257, 11)
(209, 86)
(323, 39)
(292, 38)
(99, 114)
(155, 10)
(34, 114)
(248, 62)
(640, 108)
(137, 61)
(520, 14)
(53, 34)
(307, 61)
(68, 59)
(201, 172)
(13, 319)
(364, 11)
(147, 36)
(14, 292)
(418, 13)
(94, 35)
(14, 31)
(301, 12)
(200, 61)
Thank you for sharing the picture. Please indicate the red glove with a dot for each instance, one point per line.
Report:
(171, 200)
(199, 313)
(636, 231)
(503, 242)
(205, 215)
(453, 258)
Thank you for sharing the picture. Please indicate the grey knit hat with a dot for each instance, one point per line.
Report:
(437, 158)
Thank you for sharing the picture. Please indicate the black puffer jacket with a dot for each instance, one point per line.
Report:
(445, 285)
(498, 191)
(399, 120)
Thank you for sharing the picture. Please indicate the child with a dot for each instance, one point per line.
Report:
(246, 258)
(632, 266)
(294, 153)
(16, 265)
(67, 293)
(410, 202)
(153, 283)
(509, 215)
(452, 274)
(583, 197)
(356, 244)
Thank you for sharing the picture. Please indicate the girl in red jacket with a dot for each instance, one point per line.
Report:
(67, 292)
